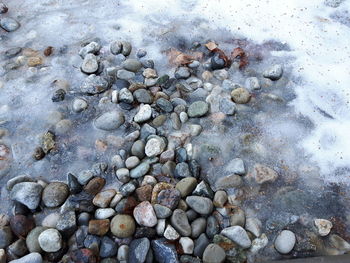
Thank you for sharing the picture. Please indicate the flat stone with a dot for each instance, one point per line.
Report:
(197, 109)
(238, 235)
(263, 174)
(214, 254)
(162, 211)
(143, 96)
(180, 222)
(27, 193)
(164, 105)
(55, 194)
(125, 74)
(285, 241)
(144, 214)
(202, 205)
(110, 120)
(123, 226)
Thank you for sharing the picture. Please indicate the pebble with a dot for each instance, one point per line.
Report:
(170, 233)
(9, 24)
(127, 189)
(140, 170)
(66, 223)
(220, 198)
(203, 189)
(54, 194)
(104, 213)
(91, 48)
(183, 117)
(123, 226)
(4, 220)
(30, 258)
(253, 225)
(285, 241)
(126, 96)
(237, 218)
(2, 251)
(27, 193)
(141, 53)
(186, 186)
(95, 185)
(227, 107)
(150, 73)
(202, 205)
(144, 114)
(323, 226)
(5, 236)
(99, 227)
(162, 211)
(160, 228)
(123, 252)
(132, 65)
(103, 198)
(252, 84)
(180, 222)
(213, 227)
(144, 214)
(214, 254)
(123, 175)
(50, 240)
(168, 197)
(21, 225)
(110, 120)
(108, 247)
(236, 166)
(18, 179)
(217, 62)
(263, 174)
(154, 146)
(240, 95)
(198, 226)
(143, 96)
(138, 250)
(238, 235)
(198, 109)
(230, 181)
(144, 193)
(164, 251)
(32, 241)
(164, 105)
(182, 73)
(90, 64)
(94, 84)
(63, 126)
(116, 47)
(200, 244)
(187, 245)
(3, 8)
(125, 74)
(58, 95)
(274, 72)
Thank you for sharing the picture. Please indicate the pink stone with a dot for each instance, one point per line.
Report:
(144, 214)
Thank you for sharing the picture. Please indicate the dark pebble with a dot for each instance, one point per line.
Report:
(145, 232)
(83, 255)
(108, 247)
(138, 250)
(21, 225)
(38, 153)
(58, 95)
(73, 184)
(164, 252)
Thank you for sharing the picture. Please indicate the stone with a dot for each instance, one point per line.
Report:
(128, 188)
(202, 205)
(104, 213)
(5, 236)
(285, 241)
(125, 74)
(54, 194)
(116, 47)
(85, 176)
(58, 95)
(154, 146)
(238, 235)
(187, 245)
(164, 105)
(186, 186)
(150, 73)
(2, 251)
(198, 109)
(32, 241)
(21, 225)
(123, 226)
(252, 83)
(164, 252)
(140, 170)
(138, 149)
(230, 181)
(95, 185)
(9, 24)
(143, 96)
(216, 62)
(263, 174)
(83, 255)
(99, 227)
(253, 225)
(144, 193)
(203, 189)
(213, 227)
(240, 95)
(169, 198)
(162, 211)
(238, 217)
(182, 170)
(180, 222)
(67, 223)
(220, 198)
(132, 65)
(224, 242)
(144, 214)
(274, 72)
(323, 226)
(91, 48)
(50, 240)
(200, 245)
(214, 254)
(160, 228)
(27, 193)
(198, 227)
(18, 179)
(90, 64)
(138, 250)
(103, 198)
(123, 175)
(227, 107)
(94, 84)
(109, 121)
(108, 247)
(170, 233)
(30, 258)
(63, 126)
(123, 253)
(144, 114)
(182, 73)
(236, 166)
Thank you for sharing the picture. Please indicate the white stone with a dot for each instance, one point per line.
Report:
(258, 244)
(115, 96)
(104, 213)
(50, 240)
(183, 117)
(144, 113)
(285, 242)
(238, 235)
(51, 220)
(323, 226)
(154, 146)
(170, 233)
(187, 245)
(160, 227)
(253, 225)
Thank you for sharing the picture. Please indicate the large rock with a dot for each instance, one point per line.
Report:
(110, 120)
(27, 193)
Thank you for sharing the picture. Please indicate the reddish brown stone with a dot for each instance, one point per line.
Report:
(144, 193)
(95, 185)
(83, 255)
(99, 227)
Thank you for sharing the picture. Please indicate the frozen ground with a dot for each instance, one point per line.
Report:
(299, 125)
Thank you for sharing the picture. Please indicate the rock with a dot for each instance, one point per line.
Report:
(182, 170)
(138, 149)
(164, 105)
(95, 185)
(240, 95)
(187, 245)
(85, 176)
(30, 258)
(55, 194)
(140, 170)
(18, 179)
(126, 48)
(63, 126)
(99, 227)
(144, 114)
(339, 243)
(259, 243)
(94, 85)
(197, 109)
(90, 64)
(127, 189)
(123, 175)
(274, 72)
(132, 65)
(27, 193)
(5, 236)
(91, 48)
(253, 225)
(123, 226)
(200, 245)
(116, 47)
(144, 193)
(170, 233)
(202, 205)
(138, 250)
(238, 235)
(285, 241)
(186, 186)
(123, 253)
(3, 8)
(150, 73)
(182, 73)
(263, 174)
(21, 225)
(169, 198)
(198, 227)
(103, 198)
(143, 96)
(32, 241)
(203, 189)
(126, 96)
(145, 215)
(67, 223)
(226, 106)
(214, 254)
(83, 255)
(164, 252)
(220, 198)
(238, 217)
(110, 120)
(154, 146)
(125, 74)
(2, 251)
(50, 240)
(108, 247)
(252, 83)
(180, 222)
(58, 95)
(236, 166)
(217, 62)
(323, 226)
(226, 182)
(224, 242)
(213, 227)
(162, 211)
(104, 213)
(9, 24)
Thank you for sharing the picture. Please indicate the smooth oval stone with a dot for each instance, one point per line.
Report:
(202, 205)
(9, 24)
(110, 120)
(285, 242)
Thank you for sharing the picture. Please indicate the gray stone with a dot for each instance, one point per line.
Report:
(126, 48)
(236, 166)
(18, 248)
(143, 96)
(182, 170)
(94, 84)
(227, 106)
(182, 73)
(125, 74)
(198, 227)
(186, 186)
(9, 24)
(92, 47)
(50, 240)
(202, 205)
(162, 212)
(139, 249)
(274, 72)
(108, 247)
(164, 105)
(198, 109)
(18, 179)
(200, 245)
(180, 222)
(127, 189)
(144, 214)
(5, 236)
(253, 225)
(230, 181)
(203, 189)
(238, 235)
(55, 194)
(263, 174)
(285, 241)
(170, 233)
(220, 198)
(32, 241)
(126, 96)
(116, 47)
(85, 176)
(90, 64)
(140, 170)
(252, 83)
(237, 218)
(213, 227)
(110, 120)
(146, 131)
(79, 105)
(27, 193)
(30, 258)
(132, 65)
(214, 254)
(138, 149)
(104, 213)
(67, 223)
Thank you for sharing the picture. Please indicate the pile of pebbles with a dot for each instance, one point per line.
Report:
(164, 209)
